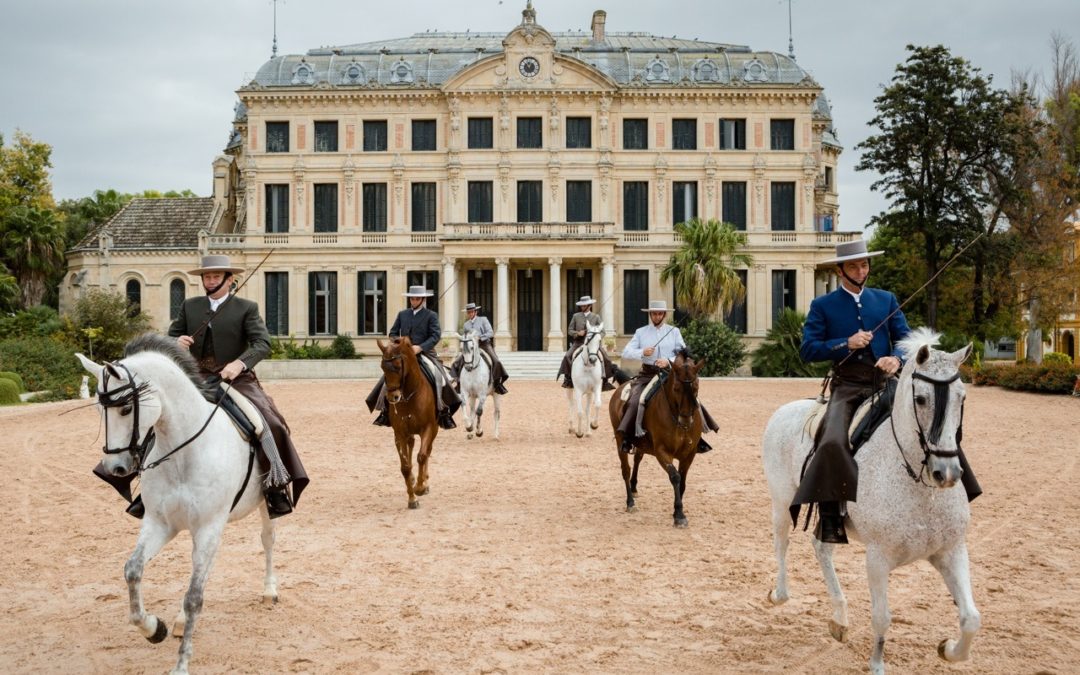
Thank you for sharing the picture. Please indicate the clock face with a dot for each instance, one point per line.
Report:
(529, 67)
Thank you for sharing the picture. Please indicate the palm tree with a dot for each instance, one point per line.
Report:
(32, 243)
(703, 269)
(9, 290)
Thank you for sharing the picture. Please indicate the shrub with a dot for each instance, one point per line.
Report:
(44, 364)
(289, 349)
(342, 348)
(1050, 358)
(721, 347)
(778, 355)
(101, 324)
(1053, 378)
(14, 377)
(41, 321)
(9, 393)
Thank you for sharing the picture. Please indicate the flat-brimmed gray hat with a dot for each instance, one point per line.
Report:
(586, 300)
(216, 263)
(418, 292)
(851, 250)
(471, 306)
(657, 306)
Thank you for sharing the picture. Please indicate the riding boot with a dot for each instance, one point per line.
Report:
(136, 508)
(703, 446)
(830, 524)
(277, 501)
(500, 388)
(567, 383)
(627, 445)
(622, 376)
(606, 385)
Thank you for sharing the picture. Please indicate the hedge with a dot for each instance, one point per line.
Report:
(9, 394)
(14, 377)
(1051, 378)
(44, 365)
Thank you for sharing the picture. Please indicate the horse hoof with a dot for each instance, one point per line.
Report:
(838, 632)
(414, 504)
(468, 437)
(422, 491)
(631, 509)
(594, 425)
(479, 434)
(942, 646)
(774, 599)
(682, 523)
(269, 599)
(160, 633)
(579, 434)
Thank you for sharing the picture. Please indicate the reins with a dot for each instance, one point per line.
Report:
(941, 389)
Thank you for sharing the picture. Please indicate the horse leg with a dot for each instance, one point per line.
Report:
(594, 417)
(496, 399)
(427, 440)
(570, 396)
(877, 578)
(480, 415)
(204, 547)
(633, 477)
(404, 449)
(668, 464)
(838, 624)
(270, 595)
(624, 462)
(781, 523)
(579, 413)
(470, 406)
(152, 537)
(953, 566)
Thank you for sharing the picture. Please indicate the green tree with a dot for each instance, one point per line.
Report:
(24, 174)
(703, 268)
(778, 355)
(104, 320)
(32, 242)
(82, 214)
(714, 341)
(9, 290)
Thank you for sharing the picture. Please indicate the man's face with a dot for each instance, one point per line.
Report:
(212, 279)
(857, 270)
(586, 308)
(416, 302)
(657, 318)
(471, 314)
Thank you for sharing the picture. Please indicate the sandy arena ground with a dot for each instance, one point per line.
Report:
(522, 559)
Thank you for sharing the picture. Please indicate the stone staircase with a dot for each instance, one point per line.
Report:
(531, 365)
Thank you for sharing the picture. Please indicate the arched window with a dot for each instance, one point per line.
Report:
(134, 296)
(176, 297)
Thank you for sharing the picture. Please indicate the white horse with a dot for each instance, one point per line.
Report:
(899, 515)
(587, 372)
(189, 476)
(476, 385)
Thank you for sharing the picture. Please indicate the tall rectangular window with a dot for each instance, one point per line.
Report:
(480, 204)
(177, 291)
(423, 135)
(372, 310)
(828, 179)
(578, 132)
(423, 207)
(683, 201)
(326, 211)
(684, 134)
(481, 290)
(636, 205)
(635, 297)
(277, 207)
(430, 281)
(782, 134)
(277, 303)
(375, 136)
(783, 291)
(481, 135)
(635, 134)
(326, 136)
(783, 206)
(530, 133)
(322, 303)
(733, 198)
(579, 201)
(374, 204)
(277, 136)
(733, 134)
(530, 203)
(735, 318)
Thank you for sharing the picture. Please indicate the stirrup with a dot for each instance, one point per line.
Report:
(278, 502)
(136, 508)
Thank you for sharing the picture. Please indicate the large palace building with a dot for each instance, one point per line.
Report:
(518, 171)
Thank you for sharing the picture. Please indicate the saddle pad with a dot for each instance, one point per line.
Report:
(816, 414)
(249, 410)
(432, 371)
(646, 392)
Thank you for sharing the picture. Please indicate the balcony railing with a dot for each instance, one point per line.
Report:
(488, 231)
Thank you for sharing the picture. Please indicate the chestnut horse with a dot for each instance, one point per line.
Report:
(411, 406)
(673, 426)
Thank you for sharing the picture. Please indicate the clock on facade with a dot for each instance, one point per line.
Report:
(529, 67)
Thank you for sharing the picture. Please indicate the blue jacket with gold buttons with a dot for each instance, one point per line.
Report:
(836, 316)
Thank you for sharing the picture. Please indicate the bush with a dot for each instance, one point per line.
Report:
(41, 321)
(342, 348)
(953, 341)
(101, 324)
(14, 377)
(1051, 358)
(721, 347)
(778, 355)
(1053, 378)
(9, 393)
(44, 364)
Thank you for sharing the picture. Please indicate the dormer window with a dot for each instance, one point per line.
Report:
(706, 71)
(353, 73)
(303, 73)
(657, 71)
(755, 71)
(401, 73)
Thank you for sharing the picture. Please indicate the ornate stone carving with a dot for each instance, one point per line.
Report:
(303, 73)
(553, 114)
(554, 260)
(755, 71)
(657, 71)
(401, 72)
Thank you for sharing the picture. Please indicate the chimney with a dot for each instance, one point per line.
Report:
(598, 19)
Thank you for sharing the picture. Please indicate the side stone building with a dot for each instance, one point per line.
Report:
(519, 171)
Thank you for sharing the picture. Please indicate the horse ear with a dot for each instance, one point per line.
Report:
(961, 355)
(381, 345)
(89, 366)
(111, 369)
(924, 353)
(698, 366)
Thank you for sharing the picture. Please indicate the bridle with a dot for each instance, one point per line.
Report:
(472, 362)
(396, 364)
(689, 399)
(590, 341)
(941, 403)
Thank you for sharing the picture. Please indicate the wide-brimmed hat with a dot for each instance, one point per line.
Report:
(586, 300)
(657, 306)
(851, 250)
(418, 292)
(216, 263)
(471, 306)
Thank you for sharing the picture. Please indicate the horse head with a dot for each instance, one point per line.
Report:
(594, 338)
(930, 399)
(683, 382)
(130, 411)
(398, 360)
(470, 349)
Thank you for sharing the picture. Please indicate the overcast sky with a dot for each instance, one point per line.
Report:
(139, 94)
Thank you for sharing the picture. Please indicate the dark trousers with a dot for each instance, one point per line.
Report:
(628, 423)
(498, 372)
(376, 400)
(566, 368)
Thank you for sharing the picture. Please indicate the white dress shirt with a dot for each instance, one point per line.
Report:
(665, 338)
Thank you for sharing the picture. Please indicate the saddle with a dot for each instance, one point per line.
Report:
(490, 364)
(648, 391)
(242, 412)
(868, 416)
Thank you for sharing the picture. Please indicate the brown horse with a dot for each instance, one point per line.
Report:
(673, 425)
(411, 407)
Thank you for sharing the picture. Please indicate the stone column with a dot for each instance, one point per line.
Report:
(449, 318)
(502, 305)
(555, 333)
(607, 292)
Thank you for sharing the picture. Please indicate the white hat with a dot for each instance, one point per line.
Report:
(657, 306)
(471, 306)
(586, 300)
(216, 263)
(418, 292)
(851, 250)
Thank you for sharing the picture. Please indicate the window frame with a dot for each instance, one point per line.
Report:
(738, 135)
(277, 202)
(684, 133)
(579, 132)
(480, 196)
(424, 202)
(376, 136)
(373, 211)
(480, 133)
(579, 206)
(277, 137)
(534, 204)
(779, 138)
(378, 295)
(527, 136)
(640, 209)
(324, 137)
(642, 133)
(324, 207)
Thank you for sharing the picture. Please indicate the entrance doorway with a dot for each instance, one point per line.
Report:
(530, 310)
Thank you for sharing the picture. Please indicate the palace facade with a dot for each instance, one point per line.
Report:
(519, 171)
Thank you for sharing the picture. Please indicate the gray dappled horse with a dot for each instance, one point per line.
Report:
(587, 373)
(476, 385)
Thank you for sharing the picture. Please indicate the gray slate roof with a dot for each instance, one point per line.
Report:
(155, 224)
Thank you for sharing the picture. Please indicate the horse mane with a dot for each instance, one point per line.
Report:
(916, 340)
(167, 347)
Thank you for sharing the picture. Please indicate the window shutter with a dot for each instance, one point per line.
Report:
(332, 314)
(311, 302)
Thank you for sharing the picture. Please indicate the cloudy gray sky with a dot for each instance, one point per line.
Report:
(138, 94)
